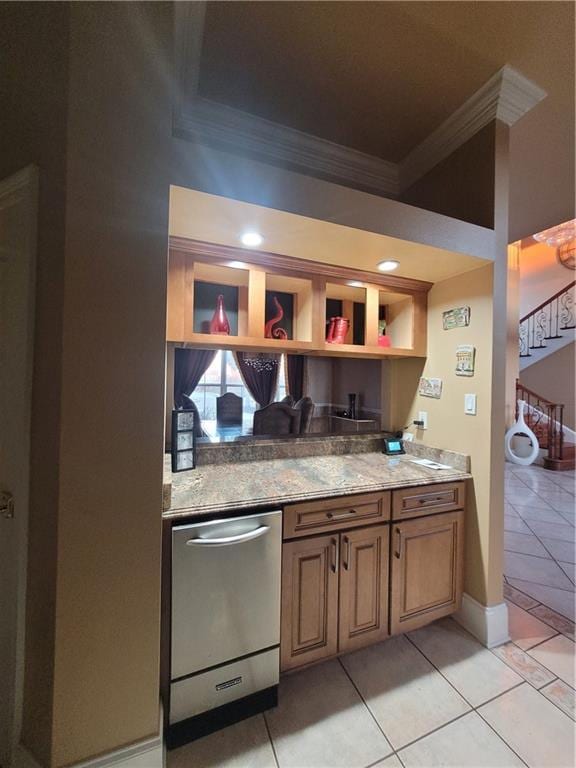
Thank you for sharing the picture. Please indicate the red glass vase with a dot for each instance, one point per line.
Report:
(330, 334)
(219, 323)
(340, 330)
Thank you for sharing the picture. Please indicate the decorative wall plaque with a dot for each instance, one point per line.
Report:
(430, 387)
(465, 356)
(459, 317)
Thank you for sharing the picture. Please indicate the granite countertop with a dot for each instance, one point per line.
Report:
(255, 484)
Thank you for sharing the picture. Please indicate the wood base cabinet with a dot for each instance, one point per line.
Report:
(334, 594)
(426, 569)
(309, 628)
(361, 579)
(363, 587)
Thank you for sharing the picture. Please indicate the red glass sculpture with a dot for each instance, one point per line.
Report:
(219, 323)
(269, 331)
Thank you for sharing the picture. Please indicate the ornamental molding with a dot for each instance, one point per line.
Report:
(507, 96)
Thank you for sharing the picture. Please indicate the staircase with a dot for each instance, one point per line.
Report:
(547, 328)
(546, 420)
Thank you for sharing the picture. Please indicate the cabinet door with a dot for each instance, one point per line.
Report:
(309, 600)
(363, 587)
(427, 569)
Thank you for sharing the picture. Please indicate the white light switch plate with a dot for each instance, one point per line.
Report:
(470, 405)
(423, 416)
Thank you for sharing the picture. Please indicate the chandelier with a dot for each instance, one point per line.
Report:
(557, 236)
(262, 361)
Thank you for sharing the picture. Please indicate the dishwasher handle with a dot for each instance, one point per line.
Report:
(228, 540)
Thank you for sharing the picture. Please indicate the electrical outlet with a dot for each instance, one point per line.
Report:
(470, 405)
(423, 417)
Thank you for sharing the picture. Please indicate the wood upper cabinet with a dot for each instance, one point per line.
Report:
(363, 587)
(427, 569)
(249, 277)
(309, 630)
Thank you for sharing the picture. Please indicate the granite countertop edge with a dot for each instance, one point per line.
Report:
(440, 476)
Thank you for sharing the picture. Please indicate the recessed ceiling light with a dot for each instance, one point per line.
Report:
(354, 284)
(388, 266)
(251, 239)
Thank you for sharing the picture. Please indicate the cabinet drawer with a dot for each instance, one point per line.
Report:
(427, 499)
(335, 514)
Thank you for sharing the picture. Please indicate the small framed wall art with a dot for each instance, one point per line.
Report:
(465, 358)
(183, 440)
(459, 317)
(430, 388)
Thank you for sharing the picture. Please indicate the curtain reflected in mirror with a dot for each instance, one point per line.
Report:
(247, 396)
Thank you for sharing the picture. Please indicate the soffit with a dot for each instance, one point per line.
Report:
(209, 218)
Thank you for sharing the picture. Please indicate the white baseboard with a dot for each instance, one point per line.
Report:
(487, 623)
(145, 754)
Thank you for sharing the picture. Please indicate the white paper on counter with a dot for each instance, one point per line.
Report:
(431, 464)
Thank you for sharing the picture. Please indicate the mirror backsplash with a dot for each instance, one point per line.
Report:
(328, 382)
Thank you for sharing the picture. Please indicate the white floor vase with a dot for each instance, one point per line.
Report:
(521, 428)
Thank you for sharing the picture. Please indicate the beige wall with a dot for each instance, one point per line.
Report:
(330, 379)
(448, 425)
(359, 376)
(542, 145)
(92, 666)
(541, 274)
(553, 378)
(108, 581)
(33, 130)
(319, 379)
(462, 185)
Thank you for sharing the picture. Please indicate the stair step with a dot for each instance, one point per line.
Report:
(559, 465)
(525, 355)
(567, 327)
(558, 336)
(540, 346)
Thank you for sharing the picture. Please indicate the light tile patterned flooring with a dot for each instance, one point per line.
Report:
(436, 697)
(539, 536)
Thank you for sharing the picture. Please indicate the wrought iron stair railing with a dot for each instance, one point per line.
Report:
(545, 419)
(547, 321)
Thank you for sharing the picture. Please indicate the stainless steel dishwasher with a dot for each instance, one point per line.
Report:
(225, 622)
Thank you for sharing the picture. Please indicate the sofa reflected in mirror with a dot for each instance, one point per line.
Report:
(247, 397)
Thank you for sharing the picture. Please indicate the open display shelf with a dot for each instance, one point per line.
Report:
(256, 285)
(348, 302)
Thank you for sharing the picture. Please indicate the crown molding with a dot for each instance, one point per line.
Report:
(507, 96)
(211, 123)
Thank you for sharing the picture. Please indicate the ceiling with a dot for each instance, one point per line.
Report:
(200, 216)
(381, 76)
(376, 76)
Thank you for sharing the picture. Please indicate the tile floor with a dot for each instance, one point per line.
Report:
(436, 697)
(539, 542)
